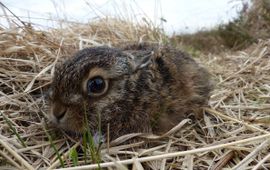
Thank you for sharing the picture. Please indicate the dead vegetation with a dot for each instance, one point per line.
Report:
(233, 134)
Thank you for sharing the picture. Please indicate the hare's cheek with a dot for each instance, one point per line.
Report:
(74, 120)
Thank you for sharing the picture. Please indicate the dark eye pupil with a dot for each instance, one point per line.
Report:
(95, 85)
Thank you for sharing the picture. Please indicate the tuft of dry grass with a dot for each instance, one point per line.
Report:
(233, 134)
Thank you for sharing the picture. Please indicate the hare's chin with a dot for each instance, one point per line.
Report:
(71, 128)
(73, 133)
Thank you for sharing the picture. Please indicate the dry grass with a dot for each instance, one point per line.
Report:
(234, 133)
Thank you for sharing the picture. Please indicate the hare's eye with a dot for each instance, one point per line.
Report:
(96, 86)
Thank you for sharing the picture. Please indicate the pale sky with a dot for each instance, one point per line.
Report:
(180, 15)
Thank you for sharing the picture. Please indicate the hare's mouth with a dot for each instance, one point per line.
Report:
(72, 127)
(69, 125)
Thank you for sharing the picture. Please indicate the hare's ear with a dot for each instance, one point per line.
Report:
(139, 62)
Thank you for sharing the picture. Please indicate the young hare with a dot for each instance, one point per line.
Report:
(138, 88)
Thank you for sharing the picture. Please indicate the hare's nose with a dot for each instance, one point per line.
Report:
(60, 114)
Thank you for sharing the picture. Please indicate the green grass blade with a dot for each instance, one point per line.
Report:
(74, 156)
(13, 129)
(54, 147)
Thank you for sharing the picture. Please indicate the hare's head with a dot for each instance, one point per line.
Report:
(96, 85)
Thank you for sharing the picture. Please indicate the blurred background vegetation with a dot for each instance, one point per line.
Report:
(252, 25)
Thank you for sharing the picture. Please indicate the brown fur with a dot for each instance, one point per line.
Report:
(151, 88)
